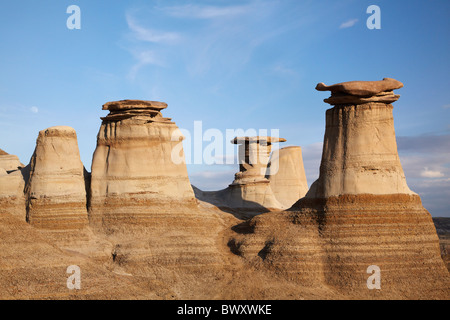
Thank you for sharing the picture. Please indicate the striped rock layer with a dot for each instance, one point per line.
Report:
(358, 214)
(138, 167)
(56, 190)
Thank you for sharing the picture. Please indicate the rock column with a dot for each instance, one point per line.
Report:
(56, 189)
(138, 166)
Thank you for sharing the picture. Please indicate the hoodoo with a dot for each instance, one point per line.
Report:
(250, 189)
(135, 167)
(286, 174)
(56, 190)
(361, 208)
(360, 149)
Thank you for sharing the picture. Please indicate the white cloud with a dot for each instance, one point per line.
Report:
(348, 24)
(431, 174)
(150, 35)
(447, 106)
(206, 12)
(34, 109)
(143, 58)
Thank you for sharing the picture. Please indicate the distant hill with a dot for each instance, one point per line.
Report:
(443, 231)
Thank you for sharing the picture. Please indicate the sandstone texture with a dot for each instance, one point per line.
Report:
(360, 153)
(250, 189)
(359, 213)
(12, 184)
(149, 238)
(56, 189)
(138, 165)
(9, 162)
(250, 192)
(287, 175)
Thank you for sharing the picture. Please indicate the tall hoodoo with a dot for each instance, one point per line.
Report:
(367, 214)
(286, 174)
(363, 211)
(138, 164)
(360, 150)
(56, 190)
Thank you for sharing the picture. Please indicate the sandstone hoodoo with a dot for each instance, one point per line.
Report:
(56, 189)
(361, 208)
(286, 174)
(360, 149)
(250, 189)
(138, 165)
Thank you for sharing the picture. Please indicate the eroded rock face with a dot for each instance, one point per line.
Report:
(138, 165)
(56, 190)
(250, 189)
(12, 184)
(360, 212)
(360, 153)
(286, 174)
(9, 162)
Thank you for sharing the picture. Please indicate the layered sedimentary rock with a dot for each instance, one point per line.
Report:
(12, 184)
(141, 197)
(287, 175)
(138, 165)
(360, 211)
(9, 162)
(250, 189)
(56, 190)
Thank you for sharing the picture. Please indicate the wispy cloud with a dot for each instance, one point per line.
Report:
(143, 58)
(206, 12)
(150, 35)
(348, 24)
(34, 109)
(222, 39)
(447, 106)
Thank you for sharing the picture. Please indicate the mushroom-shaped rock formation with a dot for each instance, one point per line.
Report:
(286, 174)
(360, 149)
(138, 165)
(361, 209)
(250, 190)
(56, 189)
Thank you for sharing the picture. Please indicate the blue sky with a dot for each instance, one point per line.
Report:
(230, 64)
